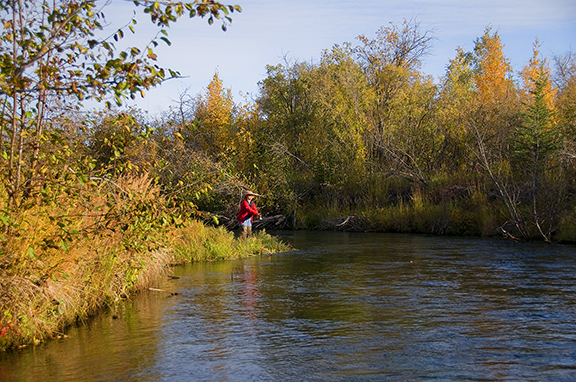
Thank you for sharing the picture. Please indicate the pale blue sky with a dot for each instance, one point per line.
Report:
(268, 30)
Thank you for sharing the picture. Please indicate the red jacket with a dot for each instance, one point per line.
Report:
(246, 211)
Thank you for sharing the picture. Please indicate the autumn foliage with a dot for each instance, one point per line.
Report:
(363, 132)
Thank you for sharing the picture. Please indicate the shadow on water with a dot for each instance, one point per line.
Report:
(345, 306)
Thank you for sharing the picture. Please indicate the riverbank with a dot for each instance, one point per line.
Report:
(466, 215)
(65, 261)
(43, 292)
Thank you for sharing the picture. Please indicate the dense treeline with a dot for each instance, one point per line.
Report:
(364, 138)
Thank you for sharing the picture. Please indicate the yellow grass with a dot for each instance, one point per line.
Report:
(67, 260)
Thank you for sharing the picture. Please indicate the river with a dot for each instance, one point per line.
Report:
(343, 307)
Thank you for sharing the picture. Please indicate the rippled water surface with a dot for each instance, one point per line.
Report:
(361, 307)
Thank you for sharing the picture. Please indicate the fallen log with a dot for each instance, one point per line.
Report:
(350, 223)
(275, 222)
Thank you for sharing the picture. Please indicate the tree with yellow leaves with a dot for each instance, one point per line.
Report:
(214, 115)
(454, 105)
(493, 113)
(490, 121)
(537, 67)
(493, 79)
(391, 63)
(565, 103)
(247, 120)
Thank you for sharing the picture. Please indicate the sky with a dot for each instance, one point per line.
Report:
(267, 32)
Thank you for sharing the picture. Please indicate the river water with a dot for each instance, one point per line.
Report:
(344, 307)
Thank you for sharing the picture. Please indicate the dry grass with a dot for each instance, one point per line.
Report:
(66, 260)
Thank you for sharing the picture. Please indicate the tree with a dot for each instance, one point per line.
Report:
(536, 141)
(414, 144)
(288, 106)
(119, 142)
(478, 100)
(248, 118)
(495, 97)
(490, 122)
(390, 62)
(342, 97)
(213, 114)
(48, 51)
(532, 75)
(493, 73)
(282, 140)
(455, 103)
(400, 46)
(537, 136)
(565, 103)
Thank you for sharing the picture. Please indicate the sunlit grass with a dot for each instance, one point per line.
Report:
(49, 282)
(197, 242)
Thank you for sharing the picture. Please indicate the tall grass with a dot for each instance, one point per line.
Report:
(61, 262)
(197, 242)
(448, 206)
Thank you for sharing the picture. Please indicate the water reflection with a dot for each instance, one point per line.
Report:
(347, 306)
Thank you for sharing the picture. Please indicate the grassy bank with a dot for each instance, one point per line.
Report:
(197, 242)
(455, 210)
(67, 260)
(99, 273)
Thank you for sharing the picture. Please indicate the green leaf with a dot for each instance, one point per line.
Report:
(5, 219)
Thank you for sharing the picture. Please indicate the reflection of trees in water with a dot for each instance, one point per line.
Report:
(250, 292)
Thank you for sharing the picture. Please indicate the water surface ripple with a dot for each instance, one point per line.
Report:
(345, 307)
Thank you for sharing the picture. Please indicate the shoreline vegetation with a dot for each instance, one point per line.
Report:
(93, 242)
(48, 287)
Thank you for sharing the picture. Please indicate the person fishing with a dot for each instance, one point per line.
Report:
(247, 211)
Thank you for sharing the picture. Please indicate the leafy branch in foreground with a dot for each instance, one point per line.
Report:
(49, 51)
